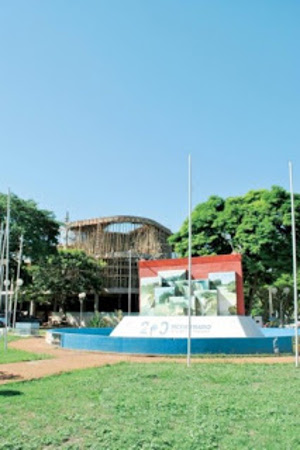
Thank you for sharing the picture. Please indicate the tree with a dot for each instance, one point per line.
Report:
(257, 225)
(39, 227)
(64, 275)
(282, 299)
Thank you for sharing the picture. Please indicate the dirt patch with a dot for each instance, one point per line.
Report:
(64, 360)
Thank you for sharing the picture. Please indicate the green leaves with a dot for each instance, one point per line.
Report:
(39, 227)
(65, 274)
(258, 225)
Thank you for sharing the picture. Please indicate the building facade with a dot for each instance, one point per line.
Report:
(120, 242)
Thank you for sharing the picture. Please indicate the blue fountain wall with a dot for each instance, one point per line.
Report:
(98, 339)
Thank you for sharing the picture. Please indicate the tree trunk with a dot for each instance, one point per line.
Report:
(252, 291)
(32, 308)
(96, 303)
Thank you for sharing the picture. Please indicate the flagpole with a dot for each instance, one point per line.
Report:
(189, 262)
(2, 245)
(294, 266)
(7, 268)
(18, 280)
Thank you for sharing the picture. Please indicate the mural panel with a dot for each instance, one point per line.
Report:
(168, 294)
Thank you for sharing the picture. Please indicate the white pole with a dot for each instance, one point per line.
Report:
(10, 303)
(18, 280)
(67, 220)
(270, 304)
(2, 263)
(129, 285)
(2, 245)
(7, 268)
(189, 262)
(294, 265)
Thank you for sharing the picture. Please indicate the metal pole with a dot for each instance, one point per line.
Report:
(294, 266)
(81, 298)
(7, 269)
(67, 220)
(81, 313)
(2, 262)
(270, 304)
(2, 244)
(129, 284)
(18, 280)
(10, 303)
(189, 262)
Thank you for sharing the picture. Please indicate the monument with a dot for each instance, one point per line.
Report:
(218, 322)
(217, 301)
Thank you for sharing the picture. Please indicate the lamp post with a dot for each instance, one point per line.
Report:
(129, 282)
(6, 284)
(19, 281)
(19, 284)
(272, 291)
(81, 297)
(286, 292)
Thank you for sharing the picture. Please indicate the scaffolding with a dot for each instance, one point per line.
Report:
(120, 241)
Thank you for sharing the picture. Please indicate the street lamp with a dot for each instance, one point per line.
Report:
(81, 297)
(19, 284)
(129, 282)
(6, 284)
(272, 291)
(286, 292)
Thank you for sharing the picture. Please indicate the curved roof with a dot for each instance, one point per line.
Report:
(118, 219)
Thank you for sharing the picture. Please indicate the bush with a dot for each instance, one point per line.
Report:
(105, 320)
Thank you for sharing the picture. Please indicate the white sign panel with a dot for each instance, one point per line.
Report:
(177, 327)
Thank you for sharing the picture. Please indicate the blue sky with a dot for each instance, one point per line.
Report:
(101, 102)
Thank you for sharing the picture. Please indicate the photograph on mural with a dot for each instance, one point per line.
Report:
(147, 301)
(206, 303)
(181, 288)
(225, 284)
(178, 306)
(200, 285)
(170, 277)
(163, 294)
(168, 294)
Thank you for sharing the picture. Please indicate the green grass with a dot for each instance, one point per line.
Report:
(155, 406)
(12, 355)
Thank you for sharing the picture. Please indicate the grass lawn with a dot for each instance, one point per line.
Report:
(11, 355)
(155, 406)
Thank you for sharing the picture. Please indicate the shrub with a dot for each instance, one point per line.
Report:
(105, 320)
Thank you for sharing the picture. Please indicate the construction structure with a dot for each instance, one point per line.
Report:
(120, 241)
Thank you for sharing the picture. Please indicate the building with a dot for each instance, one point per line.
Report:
(120, 241)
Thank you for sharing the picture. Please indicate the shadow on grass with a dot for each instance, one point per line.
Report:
(10, 393)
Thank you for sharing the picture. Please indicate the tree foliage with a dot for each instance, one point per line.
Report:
(63, 275)
(282, 300)
(39, 227)
(257, 225)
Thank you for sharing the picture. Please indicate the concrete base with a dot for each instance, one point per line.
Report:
(177, 327)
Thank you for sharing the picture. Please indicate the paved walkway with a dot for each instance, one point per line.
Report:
(67, 360)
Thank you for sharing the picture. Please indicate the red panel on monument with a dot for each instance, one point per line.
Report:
(201, 268)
